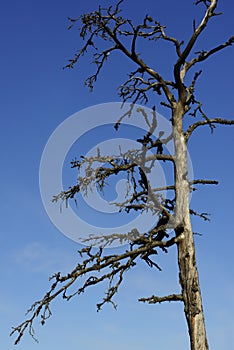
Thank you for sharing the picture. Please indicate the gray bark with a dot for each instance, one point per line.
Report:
(188, 275)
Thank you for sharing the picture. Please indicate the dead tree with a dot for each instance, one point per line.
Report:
(118, 34)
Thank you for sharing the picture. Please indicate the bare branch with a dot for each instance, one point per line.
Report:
(173, 40)
(204, 216)
(108, 25)
(179, 75)
(203, 55)
(155, 299)
(137, 88)
(95, 263)
(204, 182)
(194, 126)
(190, 90)
(99, 60)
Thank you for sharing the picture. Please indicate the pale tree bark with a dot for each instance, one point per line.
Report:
(188, 274)
(107, 24)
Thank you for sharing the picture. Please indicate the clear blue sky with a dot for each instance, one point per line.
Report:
(36, 96)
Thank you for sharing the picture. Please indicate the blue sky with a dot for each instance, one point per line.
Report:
(36, 96)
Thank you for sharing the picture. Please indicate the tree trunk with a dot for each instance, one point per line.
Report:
(188, 274)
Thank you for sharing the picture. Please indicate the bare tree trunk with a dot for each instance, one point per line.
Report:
(191, 293)
(188, 274)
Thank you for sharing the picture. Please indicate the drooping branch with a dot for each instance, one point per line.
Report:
(95, 270)
(99, 60)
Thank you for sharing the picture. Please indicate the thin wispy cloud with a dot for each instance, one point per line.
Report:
(37, 257)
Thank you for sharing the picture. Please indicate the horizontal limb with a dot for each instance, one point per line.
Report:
(155, 299)
(203, 182)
